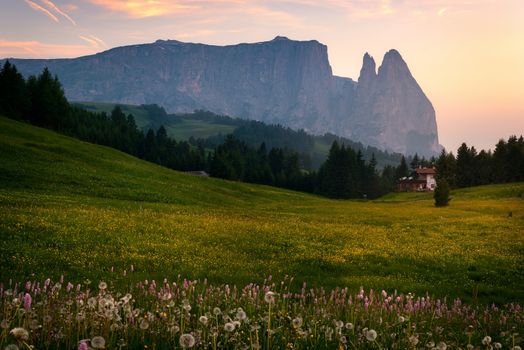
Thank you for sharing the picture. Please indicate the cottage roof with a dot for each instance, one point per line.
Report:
(426, 171)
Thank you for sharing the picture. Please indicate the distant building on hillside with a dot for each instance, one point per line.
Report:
(197, 173)
(423, 180)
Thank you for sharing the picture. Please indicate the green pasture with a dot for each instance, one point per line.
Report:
(80, 210)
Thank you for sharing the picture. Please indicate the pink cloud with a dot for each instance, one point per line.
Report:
(37, 49)
(147, 8)
(56, 9)
(37, 7)
(93, 41)
(157, 8)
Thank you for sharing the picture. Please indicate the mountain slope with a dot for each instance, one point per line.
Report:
(213, 128)
(73, 208)
(279, 81)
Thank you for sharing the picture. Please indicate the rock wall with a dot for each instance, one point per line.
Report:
(279, 81)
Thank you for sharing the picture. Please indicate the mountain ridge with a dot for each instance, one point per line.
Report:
(278, 81)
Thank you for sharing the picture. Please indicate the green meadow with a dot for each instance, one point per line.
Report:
(181, 128)
(89, 212)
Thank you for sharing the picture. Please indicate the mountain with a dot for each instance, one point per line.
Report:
(391, 109)
(279, 81)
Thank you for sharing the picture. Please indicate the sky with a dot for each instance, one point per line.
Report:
(468, 56)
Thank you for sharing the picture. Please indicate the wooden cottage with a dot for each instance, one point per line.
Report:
(423, 179)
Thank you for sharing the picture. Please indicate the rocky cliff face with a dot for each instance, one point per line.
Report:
(278, 81)
(391, 110)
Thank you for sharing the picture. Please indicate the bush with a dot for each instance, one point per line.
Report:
(441, 194)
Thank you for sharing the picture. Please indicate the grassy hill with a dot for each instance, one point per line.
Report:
(73, 208)
(181, 127)
(207, 125)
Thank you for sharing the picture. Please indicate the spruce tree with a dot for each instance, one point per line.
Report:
(402, 169)
(441, 194)
(14, 101)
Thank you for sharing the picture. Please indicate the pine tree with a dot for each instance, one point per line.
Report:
(415, 163)
(14, 101)
(467, 170)
(446, 166)
(402, 169)
(441, 194)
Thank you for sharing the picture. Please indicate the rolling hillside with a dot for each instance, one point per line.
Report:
(73, 208)
(212, 127)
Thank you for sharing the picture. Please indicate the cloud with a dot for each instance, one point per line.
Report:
(52, 10)
(198, 8)
(93, 41)
(377, 9)
(145, 8)
(37, 49)
(100, 41)
(37, 7)
(55, 8)
(89, 40)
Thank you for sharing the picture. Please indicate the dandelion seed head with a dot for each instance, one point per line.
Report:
(33, 324)
(371, 335)
(203, 320)
(98, 342)
(4, 324)
(91, 302)
(442, 346)
(349, 326)
(270, 297)
(187, 340)
(401, 319)
(229, 327)
(102, 285)
(241, 315)
(413, 340)
(486, 340)
(497, 345)
(144, 324)
(20, 334)
(217, 311)
(297, 322)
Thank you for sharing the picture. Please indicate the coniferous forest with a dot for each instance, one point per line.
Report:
(40, 100)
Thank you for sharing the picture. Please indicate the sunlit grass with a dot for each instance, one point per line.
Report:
(71, 208)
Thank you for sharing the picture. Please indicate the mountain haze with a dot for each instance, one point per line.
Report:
(279, 81)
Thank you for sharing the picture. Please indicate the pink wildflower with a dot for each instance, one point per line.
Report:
(27, 301)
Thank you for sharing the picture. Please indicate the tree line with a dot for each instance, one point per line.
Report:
(472, 168)
(40, 100)
(254, 133)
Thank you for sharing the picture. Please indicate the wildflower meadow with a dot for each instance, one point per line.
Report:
(93, 241)
(195, 314)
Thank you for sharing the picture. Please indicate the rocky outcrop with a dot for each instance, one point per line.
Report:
(390, 109)
(279, 81)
